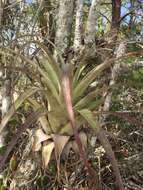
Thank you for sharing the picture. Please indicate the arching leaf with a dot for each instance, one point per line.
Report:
(16, 105)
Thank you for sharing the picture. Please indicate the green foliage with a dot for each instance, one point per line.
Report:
(89, 117)
(2, 150)
(51, 89)
(43, 183)
(56, 120)
(16, 105)
(134, 79)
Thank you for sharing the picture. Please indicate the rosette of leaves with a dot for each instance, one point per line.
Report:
(55, 126)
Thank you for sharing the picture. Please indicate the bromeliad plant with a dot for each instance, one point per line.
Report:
(70, 101)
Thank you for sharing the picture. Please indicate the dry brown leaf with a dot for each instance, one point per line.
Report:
(39, 137)
(75, 147)
(60, 142)
(67, 148)
(47, 150)
(73, 144)
(83, 138)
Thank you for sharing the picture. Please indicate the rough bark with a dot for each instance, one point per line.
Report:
(1, 12)
(114, 75)
(78, 26)
(64, 25)
(115, 22)
(92, 22)
(6, 103)
(116, 9)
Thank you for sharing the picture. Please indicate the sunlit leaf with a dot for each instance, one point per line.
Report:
(39, 137)
(49, 84)
(93, 105)
(53, 105)
(49, 56)
(47, 150)
(77, 75)
(86, 81)
(51, 73)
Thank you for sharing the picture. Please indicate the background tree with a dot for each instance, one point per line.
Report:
(76, 67)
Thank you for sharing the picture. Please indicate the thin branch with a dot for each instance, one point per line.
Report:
(105, 17)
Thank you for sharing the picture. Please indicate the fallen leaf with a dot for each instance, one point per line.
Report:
(73, 144)
(39, 137)
(47, 150)
(60, 141)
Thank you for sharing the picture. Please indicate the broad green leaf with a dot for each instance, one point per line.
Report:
(89, 98)
(67, 129)
(77, 75)
(57, 120)
(16, 105)
(90, 118)
(49, 83)
(51, 73)
(52, 101)
(57, 116)
(93, 105)
(87, 80)
(50, 57)
(53, 104)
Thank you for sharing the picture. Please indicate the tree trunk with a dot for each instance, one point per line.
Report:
(114, 75)
(78, 26)
(92, 21)
(6, 103)
(64, 25)
(1, 12)
(115, 22)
